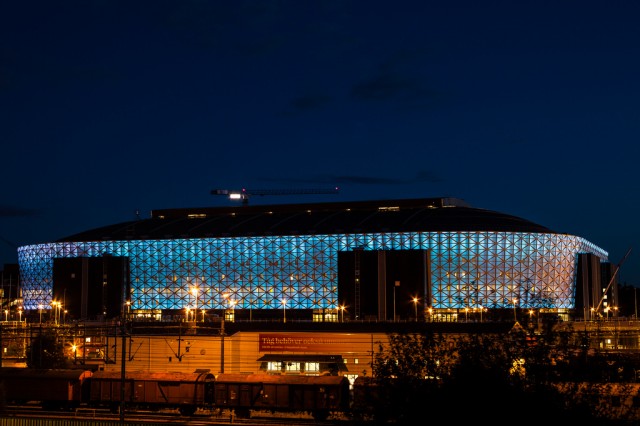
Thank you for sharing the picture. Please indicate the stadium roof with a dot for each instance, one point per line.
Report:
(405, 215)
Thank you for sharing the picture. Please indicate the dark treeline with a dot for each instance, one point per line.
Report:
(516, 378)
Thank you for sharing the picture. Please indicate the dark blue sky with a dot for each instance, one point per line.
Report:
(524, 107)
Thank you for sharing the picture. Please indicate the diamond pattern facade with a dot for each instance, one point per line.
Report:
(490, 269)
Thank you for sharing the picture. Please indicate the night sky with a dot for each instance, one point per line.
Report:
(530, 108)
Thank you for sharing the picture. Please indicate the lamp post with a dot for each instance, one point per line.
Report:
(224, 302)
(6, 315)
(606, 310)
(430, 314)
(415, 307)
(481, 310)
(40, 312)
(20, 314)
(396, 284)
(232, 305)
(54, 306)
(539, 315)
(194, 291)
(342, 313)
(284, 310)
(515, 315)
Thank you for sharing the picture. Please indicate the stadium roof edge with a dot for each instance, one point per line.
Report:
(318, 207)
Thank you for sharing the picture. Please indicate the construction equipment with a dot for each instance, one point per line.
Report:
(244, 194)
(611, 281)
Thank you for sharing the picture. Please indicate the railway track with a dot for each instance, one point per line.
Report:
(202, 417)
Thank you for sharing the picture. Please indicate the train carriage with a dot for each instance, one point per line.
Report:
(187, 392)
(52, 389)
(318, 395)
(151, 390)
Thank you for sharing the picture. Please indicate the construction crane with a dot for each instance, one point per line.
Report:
(244, 194)
(615, 272)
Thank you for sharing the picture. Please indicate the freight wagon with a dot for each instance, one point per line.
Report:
(186, 392)
(152, 391)
(317, 395)
(53, 389)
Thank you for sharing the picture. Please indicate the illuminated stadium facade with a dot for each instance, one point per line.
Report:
(317, 257)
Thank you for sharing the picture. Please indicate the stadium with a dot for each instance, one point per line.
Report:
(388, 260)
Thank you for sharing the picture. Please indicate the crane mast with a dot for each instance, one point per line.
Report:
(244, 194)
(615, 272)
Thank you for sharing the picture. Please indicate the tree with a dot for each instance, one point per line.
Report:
(509, 378)
(46, 351)
(409, 369)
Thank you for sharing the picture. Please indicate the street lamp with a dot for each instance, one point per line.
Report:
(54, 306)
(515, 316)
(284, 310)
(342, 313)
(194, 290)
(6, 315)
(40, 311)
(466, 314)
(232, 305)
(188, 312)
(57, 312)
(415, 307)
(20, 314)
(606, 310)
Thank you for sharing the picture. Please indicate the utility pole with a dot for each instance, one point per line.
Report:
(222, 344)
(122, 370)
(396, 284)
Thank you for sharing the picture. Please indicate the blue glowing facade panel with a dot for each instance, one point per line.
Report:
(490, 269)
